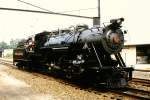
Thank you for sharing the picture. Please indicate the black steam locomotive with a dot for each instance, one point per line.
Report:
(79, 52)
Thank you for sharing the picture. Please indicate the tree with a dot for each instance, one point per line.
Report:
(4, 45)
(13, 43)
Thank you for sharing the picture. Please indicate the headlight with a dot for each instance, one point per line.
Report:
(113, 41)
(116, 39)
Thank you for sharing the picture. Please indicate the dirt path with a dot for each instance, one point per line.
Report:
(13, 89)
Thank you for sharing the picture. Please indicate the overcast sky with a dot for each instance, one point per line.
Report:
(22, 24)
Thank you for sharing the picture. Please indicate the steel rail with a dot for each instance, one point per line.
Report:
(146, 81)
(142, 70)
(144, 95)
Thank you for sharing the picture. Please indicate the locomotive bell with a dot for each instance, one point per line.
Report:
(118, 21)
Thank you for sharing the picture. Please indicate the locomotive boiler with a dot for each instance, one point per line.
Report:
(81, 52)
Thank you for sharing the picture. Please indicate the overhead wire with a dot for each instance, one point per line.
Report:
(43, 12)
(52, 11)
(78, 10)
(34, 5)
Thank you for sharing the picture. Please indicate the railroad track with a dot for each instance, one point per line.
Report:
(141, 70)
(131, 92)
(144, 81)
(136, 93)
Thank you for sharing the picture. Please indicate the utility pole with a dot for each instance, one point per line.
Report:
(99, 12)
(96, 20)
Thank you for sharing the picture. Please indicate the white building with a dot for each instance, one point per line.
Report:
(8, 53)
(137, 55)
